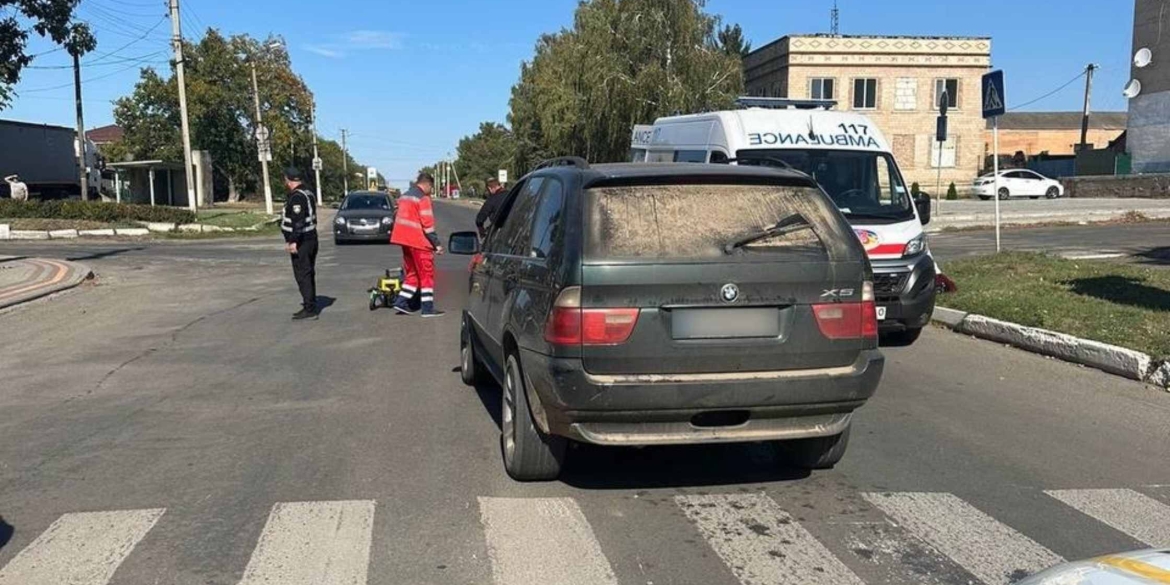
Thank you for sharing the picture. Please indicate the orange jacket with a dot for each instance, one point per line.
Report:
(414, 222)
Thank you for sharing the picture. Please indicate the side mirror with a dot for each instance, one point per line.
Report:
(922, 202)
(463, 243)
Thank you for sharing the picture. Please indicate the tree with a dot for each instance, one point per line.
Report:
(483, 154)
(222, 114)
(624, 62)
(731, 41)
(952, 193)
(48, 18)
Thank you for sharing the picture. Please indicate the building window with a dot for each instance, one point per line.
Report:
(949, 148)
(951, 86)
(864, 94)
(821, 88)
(906, 94)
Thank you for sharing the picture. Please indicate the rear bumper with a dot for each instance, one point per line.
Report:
(662, 409)
(909, 300)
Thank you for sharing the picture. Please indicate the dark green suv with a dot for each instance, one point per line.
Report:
(642, 304)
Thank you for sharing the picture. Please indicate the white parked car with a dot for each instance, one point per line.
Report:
(1018, 183)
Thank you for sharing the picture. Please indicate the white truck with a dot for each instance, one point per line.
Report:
(44, 158)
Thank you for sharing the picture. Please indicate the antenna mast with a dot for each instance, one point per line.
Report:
(835, 19)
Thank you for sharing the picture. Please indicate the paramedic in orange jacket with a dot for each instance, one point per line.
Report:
(414, 230)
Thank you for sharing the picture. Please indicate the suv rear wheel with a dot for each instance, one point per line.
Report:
(817, 452)
(529, 455)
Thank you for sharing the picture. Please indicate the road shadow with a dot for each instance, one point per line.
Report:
(1158, 256)
(492, 398)
(617, 468)
(105, 254)
(12, 259)
(1122, 290)
(324, 302)
(6, 532)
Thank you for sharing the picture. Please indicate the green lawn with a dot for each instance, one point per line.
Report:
(1121, 304)
(231, 218)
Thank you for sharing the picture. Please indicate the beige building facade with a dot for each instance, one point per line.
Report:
(894, 80)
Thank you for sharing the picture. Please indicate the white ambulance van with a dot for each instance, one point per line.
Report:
(848, 155)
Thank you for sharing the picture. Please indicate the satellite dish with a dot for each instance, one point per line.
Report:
(1132, 89)
(1142, 57)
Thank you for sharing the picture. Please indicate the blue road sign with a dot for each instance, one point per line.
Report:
(993, 95)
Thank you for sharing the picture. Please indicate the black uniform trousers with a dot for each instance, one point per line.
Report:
(304, 264)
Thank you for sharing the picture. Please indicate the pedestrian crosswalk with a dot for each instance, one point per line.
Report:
(754, 537)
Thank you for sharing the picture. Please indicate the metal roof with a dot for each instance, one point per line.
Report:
(1061, 121)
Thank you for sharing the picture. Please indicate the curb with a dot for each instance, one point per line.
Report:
(64, 275)
(1112, 359)
(6, 233)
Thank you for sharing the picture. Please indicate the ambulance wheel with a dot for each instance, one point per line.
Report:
(903, 338)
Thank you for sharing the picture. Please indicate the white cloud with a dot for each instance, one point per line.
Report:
(372, 39)
(324, 51)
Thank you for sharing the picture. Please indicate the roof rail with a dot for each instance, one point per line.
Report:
(563, 161)
(772, 103)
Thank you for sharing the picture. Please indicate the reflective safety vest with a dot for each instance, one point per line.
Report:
(414, 222)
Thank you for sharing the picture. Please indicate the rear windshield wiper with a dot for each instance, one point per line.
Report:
(792, 223)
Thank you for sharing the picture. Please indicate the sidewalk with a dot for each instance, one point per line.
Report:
(974, 213)
(25, 279)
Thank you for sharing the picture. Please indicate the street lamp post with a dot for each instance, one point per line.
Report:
(264, 147)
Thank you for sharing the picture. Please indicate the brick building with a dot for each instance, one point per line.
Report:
(1056, 133)
(896, 81)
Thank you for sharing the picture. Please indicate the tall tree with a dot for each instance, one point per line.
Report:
(223, 117)
(47, 18)
(731, 41)
(624, 62)
(483, 154)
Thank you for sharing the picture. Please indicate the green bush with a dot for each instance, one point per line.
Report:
(92, 211)
(952, 193)
(914, 189)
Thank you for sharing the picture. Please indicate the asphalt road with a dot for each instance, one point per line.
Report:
(1144, 243)
(170, 424)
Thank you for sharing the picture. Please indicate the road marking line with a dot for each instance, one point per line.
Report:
(80, 548)
(1101, 256)
(538, 541)
(1133, 513)
(59, 275)
(314, 543)
(987, 548)
(761, 543)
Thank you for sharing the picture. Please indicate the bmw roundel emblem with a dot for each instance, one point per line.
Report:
(729, 293)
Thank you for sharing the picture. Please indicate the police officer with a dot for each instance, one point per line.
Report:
(299, 225)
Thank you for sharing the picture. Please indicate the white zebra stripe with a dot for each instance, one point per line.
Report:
(990, 550)
(313, 543)
(1133, 513)
(80, 549)
(539, 541)
(761, 543)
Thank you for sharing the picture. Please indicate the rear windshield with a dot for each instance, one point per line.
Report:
(716, 222)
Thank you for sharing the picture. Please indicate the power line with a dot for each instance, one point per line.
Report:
(113, 53)
(70, 84)
(150, 58)
(1049, 94)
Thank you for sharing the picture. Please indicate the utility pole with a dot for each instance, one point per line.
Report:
(1085, 114)
(81, 150)
(177, 40)
(316, 156)
(262, 138)
(344, 164)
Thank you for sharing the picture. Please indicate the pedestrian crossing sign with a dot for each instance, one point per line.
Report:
(993, 94)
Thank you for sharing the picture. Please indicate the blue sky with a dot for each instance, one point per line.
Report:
(408, 79)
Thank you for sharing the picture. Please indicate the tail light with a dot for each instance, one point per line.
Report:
(849, 320)
(569, 324)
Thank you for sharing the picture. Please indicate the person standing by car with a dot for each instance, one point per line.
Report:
(495, 196)
(414, 231)
(298, 223)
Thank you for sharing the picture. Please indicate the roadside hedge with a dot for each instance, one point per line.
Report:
(92, 211)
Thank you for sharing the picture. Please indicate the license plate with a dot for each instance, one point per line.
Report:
(365, 228)
(881, 313)
(725, 323)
